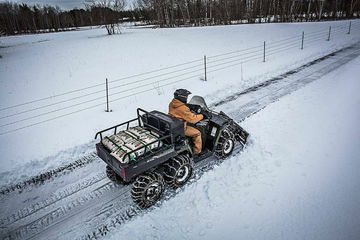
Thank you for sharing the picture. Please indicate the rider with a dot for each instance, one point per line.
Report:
(178, 109)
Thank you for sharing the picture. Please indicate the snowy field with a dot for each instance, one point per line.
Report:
(61, 128)
(299, 179)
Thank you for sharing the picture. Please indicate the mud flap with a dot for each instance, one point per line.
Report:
(239, 133)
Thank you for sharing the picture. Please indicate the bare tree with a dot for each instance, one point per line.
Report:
(353, 4)
(108, 10)
(321, 8)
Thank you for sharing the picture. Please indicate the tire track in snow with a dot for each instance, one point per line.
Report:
(277, 78)
(46, 176)
(277, 92)
(62, 212)
(51, 200)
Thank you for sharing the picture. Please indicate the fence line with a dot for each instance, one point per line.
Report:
(153, 71)
(96, 85)
(164, 74)
(272, 48)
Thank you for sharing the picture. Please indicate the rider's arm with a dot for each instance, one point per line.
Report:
(190, 117)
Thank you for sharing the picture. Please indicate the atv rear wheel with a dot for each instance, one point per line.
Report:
(147, 189)
(178, 171)
(113, 176)
(226, 144)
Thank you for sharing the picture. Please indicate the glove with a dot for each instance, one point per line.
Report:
(206, 113)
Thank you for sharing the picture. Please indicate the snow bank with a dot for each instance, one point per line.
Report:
(37, 66)
(297, 180)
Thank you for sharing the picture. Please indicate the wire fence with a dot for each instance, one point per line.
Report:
(122, 88)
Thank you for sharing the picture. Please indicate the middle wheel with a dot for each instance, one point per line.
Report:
(147, 189)
(178, 171)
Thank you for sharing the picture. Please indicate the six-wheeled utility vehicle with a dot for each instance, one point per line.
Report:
(152, 149)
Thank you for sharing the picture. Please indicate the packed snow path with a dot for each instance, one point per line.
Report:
(85, 203)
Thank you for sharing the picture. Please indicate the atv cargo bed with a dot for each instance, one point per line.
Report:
(128, 170)
(158, 124)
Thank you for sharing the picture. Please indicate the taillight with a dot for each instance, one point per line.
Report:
(123, 173)
(97, 150)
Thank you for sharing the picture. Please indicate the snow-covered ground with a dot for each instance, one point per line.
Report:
(40, 66)
(296, 179)
(299, 178)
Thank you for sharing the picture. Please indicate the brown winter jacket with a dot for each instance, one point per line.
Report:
(179, 110)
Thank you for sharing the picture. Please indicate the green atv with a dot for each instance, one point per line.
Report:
(168, 158)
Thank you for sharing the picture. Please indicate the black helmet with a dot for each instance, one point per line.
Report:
(181, 95)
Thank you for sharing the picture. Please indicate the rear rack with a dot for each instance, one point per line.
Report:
(143, 121)
(115, 128)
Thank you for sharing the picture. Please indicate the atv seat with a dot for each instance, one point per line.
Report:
(162, 124)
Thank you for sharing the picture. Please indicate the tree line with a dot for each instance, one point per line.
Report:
(21, 18)
(214, 12)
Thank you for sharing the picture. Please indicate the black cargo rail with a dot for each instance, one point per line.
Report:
(143, 121)
(127, 123)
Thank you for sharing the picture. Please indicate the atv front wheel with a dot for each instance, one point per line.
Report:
(225, 145)
(178, 171)
(147, 189)
(113, 176)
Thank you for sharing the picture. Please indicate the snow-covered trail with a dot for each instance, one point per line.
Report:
(298, 180)
(85, 199)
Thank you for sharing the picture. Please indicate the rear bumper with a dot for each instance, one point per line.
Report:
(119, 168)
(128, 171)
